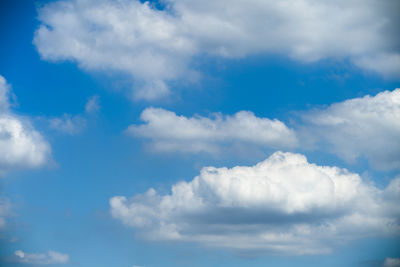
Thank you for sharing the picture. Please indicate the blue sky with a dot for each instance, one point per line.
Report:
(112, 112)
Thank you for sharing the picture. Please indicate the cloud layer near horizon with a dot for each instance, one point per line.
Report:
(281, 205)
(156, 46)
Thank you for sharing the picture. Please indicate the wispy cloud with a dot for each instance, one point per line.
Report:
(93, 104)
(391, 262)
(75, 124)
(51, 257)
(5, 207)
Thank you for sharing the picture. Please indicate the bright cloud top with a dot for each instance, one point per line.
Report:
(20, 144)
(159, 46)
(170, 132)
(281, 205)
(368, 126)
(51, 257)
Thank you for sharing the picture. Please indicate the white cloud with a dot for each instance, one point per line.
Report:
(4, 95)
(366, 127)
(51, 257)
(68, 124)
(21, 146)
(170, 132)
(159, 46)
(93, 104)
(391, 262)
(74, 124)
(281, 205)
(361, 127)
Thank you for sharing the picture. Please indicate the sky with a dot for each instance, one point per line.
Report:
(199, 133)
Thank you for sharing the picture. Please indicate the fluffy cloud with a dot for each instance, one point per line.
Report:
(281, 205)
(157, 46)
(20, 144)
(170, 132)
(51, 257)
(368, 126)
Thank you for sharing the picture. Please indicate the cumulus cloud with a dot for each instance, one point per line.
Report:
(21, 146)
(365, 127)
(51, 257)
(361, 127)
(391, 262)
(281, 205)
(170, 132)
(157, 46)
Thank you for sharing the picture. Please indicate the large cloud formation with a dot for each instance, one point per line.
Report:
(170, 132)
(281, 205)
(156, 46)
(21, 146)
(368, 126)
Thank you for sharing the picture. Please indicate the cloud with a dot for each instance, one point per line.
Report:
(4, 95)
(21, 146)
(365, 127)
(74, 124)
(170, 132)
(159, 46)
(281, 205)
(391, 262)
(68, 124)
(93, 104)
(361, 127)
(4, 211)
(51, 257)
